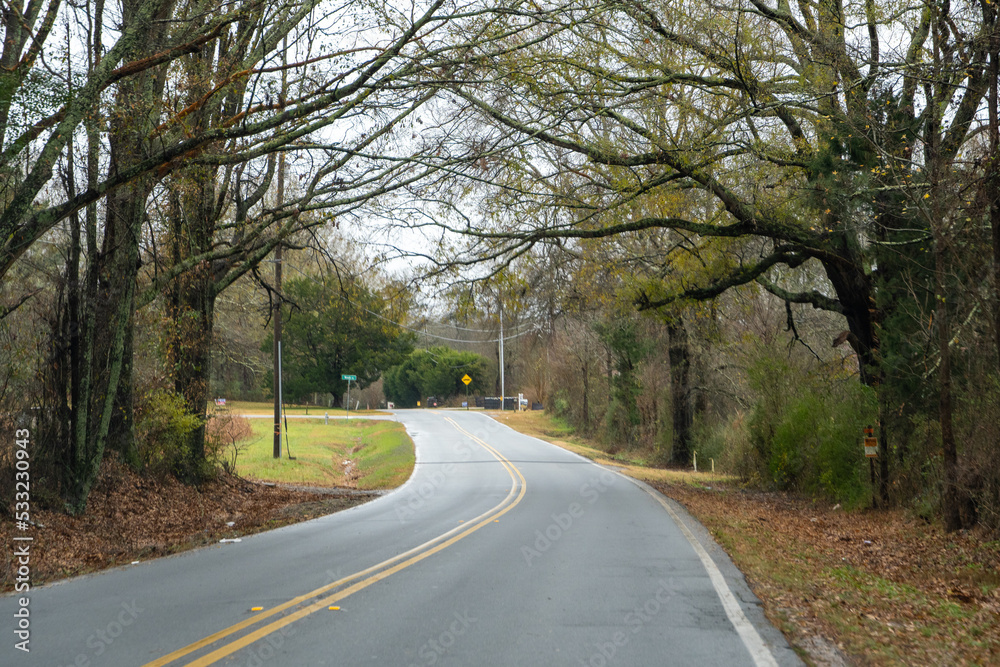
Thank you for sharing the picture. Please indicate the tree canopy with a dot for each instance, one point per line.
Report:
(435, 371)
(153, 154)
(334, 331)
(681, 157)
(751, 143)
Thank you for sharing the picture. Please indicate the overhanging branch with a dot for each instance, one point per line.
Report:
(813, 298)
(740, 276)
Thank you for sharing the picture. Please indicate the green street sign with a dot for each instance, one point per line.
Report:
(352, 378)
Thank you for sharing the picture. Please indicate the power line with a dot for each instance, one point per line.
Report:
(417, 331)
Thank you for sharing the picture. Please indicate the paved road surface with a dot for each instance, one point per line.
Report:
(500, 550)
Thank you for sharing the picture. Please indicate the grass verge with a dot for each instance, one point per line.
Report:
(363, 454)
(543, 426)
(861, 587)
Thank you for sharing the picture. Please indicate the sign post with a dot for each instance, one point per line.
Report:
(871, 443)
(871, 453)
(466, 379)
(349, 378)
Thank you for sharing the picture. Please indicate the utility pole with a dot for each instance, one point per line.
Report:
(502, 389)
(277, 283)
(276, 314)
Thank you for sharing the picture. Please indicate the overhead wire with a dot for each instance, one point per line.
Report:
(417, 331)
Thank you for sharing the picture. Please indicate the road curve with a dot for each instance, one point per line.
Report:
(500, 550)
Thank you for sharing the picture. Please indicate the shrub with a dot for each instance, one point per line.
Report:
(226, 436)
(803, 433)
(163, 430)
(737, 455)
(978, 430)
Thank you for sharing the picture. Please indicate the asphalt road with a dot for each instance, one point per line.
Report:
(500, 550)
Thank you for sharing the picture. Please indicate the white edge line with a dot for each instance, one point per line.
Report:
(755, 645)
(759, 651)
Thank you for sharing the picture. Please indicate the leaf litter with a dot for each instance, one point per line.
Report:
(875, 587)
(133, 518)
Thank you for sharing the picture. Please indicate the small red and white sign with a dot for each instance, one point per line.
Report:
(871, 448)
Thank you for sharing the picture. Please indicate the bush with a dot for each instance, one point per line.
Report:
(737, 454)
(803, 433)
(621, 425)
(561, 406)
(163, 430)
(978, 430)
(728, 444)
(226, 436)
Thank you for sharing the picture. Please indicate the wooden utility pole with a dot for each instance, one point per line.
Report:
(502, 388)
(277, 319)
(276, 314)
(277, 280)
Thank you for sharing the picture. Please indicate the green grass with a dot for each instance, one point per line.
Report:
(381, 453)
(387, 457)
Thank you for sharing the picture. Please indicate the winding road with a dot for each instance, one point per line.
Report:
(500, 550)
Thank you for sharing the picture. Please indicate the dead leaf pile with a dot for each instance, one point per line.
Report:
(884, 587)
(130, 517)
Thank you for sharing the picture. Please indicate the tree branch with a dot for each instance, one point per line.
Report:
(740, 276)
(813, 298)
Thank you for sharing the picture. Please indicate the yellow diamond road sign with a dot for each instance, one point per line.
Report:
(466, 379)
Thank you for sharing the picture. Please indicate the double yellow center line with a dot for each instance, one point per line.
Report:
(364, 578)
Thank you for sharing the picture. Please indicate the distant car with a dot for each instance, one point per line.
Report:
(432, 402)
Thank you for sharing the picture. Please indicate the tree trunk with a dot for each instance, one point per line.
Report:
(113, 309)
(193, 306)
(114, 270)
(951, 500)
(194, 320)
(992, 177)
(856, 292)
(111, 340)
(680, 391)
(82, 373)
(949, 450)
(73, 311)
(121, 431)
